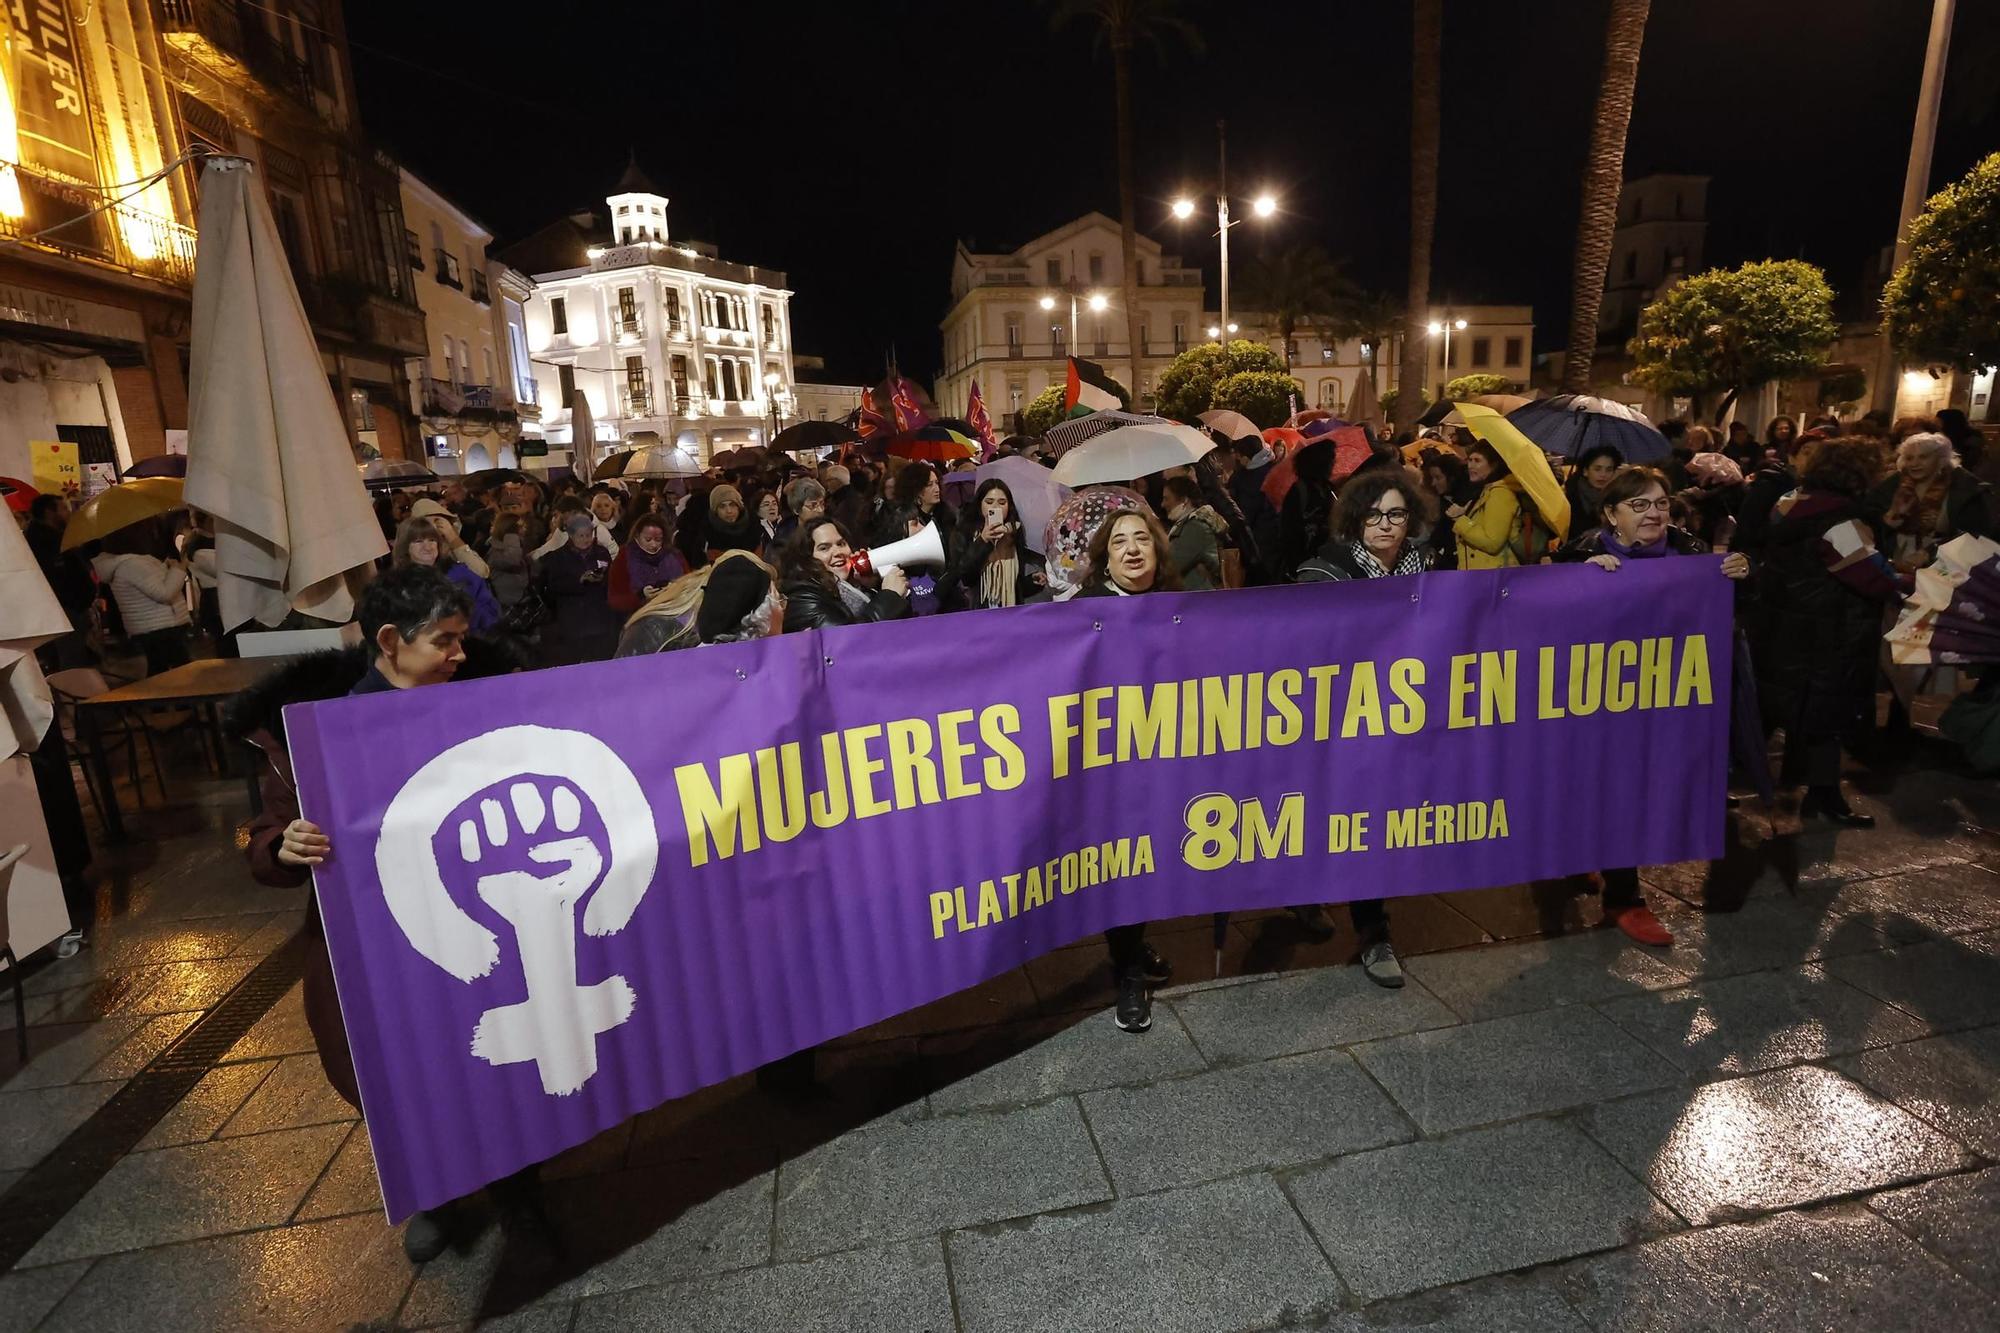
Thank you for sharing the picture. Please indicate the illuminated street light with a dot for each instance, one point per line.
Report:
(1447, 326)
(1265, 206)
(1215, 330)
(1232, 328)
(771, 397)
(1048, 303)
(1098, 303)
(1183, 209)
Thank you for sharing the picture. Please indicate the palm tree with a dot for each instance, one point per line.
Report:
(1427, 53)
(1602, 176)
(1301, 284)
(1122, 25)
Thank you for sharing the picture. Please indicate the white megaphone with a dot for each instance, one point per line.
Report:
(923, 549)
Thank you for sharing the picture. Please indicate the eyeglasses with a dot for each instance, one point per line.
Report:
(1645, 505)
(1387, 518)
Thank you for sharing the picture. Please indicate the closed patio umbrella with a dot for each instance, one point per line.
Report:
(268, 452)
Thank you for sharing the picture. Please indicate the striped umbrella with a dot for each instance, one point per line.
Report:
(1064, 436)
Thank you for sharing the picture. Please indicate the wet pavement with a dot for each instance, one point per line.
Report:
(1789, 1120)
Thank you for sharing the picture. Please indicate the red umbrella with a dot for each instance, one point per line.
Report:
(1349, 448)
(18, 494)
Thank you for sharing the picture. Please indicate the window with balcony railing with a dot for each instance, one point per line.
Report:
(480, 293)
(447, 271)
(414, 248)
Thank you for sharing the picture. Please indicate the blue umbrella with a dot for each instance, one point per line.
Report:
(1570, 423)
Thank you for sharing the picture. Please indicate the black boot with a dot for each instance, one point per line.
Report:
(429, 1233)
(1829, 804)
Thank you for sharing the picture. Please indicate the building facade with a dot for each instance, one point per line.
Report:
(663, 338)
(1661, 233)
(1496, 340)
(95, 275)
(1017, 317)
(513, 290)
(270, 80)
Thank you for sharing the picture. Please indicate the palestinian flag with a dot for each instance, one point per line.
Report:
(1090, 389)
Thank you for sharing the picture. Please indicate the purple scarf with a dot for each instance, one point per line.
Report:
(1650, 551)
(649, 571)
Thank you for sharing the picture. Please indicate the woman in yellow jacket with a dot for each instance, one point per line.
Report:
(1489, 532)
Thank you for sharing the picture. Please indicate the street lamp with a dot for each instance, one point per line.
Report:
(1097, 301)
(771, 397)
(1445, 327)
(1264, 206)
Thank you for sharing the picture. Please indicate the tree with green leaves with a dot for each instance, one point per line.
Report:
(1300, 285)
(1045, 411)
(1187, 385)
(1735, 329)
(1265, 396)
(1122, 26)
(1942, 306)
(1475, 386)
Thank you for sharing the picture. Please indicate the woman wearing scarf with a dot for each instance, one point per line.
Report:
(995, 568)
(819, 583)
(1633, 526)
(646, 563)
(1930, 500)
(1379, 530)
(731, 527)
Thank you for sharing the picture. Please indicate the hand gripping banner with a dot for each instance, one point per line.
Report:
(559, 898)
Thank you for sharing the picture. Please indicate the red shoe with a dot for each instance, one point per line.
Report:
(1640, 923)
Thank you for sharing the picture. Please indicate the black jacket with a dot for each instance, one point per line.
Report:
(1968, 508)
(968, 568)
(1335, 563)
(812, 605)
(1817, 656)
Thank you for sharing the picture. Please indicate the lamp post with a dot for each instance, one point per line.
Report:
(1097, 301)
(771, 398)
(1444, 326)
(1263, 206)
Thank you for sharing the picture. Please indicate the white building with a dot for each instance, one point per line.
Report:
(1017, 317)
(1662, 225)
(658, 334)
(1496, 340)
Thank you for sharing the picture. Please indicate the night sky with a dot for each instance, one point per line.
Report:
(854, 153)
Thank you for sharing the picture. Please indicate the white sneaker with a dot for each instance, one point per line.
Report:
(69, 944)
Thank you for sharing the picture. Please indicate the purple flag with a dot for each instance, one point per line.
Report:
(559, 900)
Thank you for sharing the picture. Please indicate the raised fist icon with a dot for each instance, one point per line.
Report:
(558, 1024)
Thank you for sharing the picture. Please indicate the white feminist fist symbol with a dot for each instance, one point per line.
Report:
(558, 1024)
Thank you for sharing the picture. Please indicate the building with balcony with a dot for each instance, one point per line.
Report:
(512, 290)
(1016, 317)
(1496, 340)
(96, 271)
(657, 333)
(270, 80)
(463, 390)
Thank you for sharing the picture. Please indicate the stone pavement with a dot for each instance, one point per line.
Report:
(1787, 1121)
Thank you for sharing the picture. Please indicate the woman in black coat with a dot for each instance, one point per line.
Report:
(1128, 558)
(819, 584)
(993, 565)
(1823, 585)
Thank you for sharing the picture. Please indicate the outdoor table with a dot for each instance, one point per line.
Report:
(202, 685)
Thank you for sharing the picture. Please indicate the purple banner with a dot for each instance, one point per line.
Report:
(561, 898)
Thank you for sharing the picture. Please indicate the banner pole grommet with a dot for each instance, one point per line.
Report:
(1177, 620)
(829, 659)
(1097, 626)
(741, 674)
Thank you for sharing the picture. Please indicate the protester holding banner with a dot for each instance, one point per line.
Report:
(414, 625)
(1824, 585)
(994, 567)
(1128, 558)
(819, 582)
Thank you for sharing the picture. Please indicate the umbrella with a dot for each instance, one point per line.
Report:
(582, 438)
(755, 456)
(1307, 416)
(1364, 405)
(1037, 494)
(1570, 423)
(1326, 423)
(122, 505)
(1233, 425)
(1284, 435)
(1064, 436)
(159, 465)
(930, 444)
(1349, 449)
(30, 616)
(389, 474)
(722, 459)
(18, 494)
(1525, 459)
(268, 450)
(487, 479)
(1149, 445)
(655, 460)
(814, 435)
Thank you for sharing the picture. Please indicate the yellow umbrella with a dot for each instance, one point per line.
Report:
(1525, 460)
(121, 506)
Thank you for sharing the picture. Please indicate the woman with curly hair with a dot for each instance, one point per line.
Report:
(1824, 584)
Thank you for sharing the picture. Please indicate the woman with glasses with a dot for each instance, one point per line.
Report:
(1632, 525)
(1379, 528)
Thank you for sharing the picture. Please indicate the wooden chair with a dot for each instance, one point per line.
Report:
(8, 860)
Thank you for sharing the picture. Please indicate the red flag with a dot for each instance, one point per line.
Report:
(869, 423)
(903, 401)
(982, 425)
